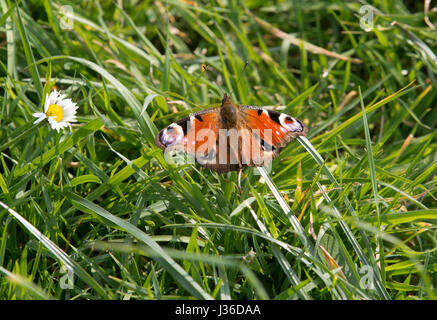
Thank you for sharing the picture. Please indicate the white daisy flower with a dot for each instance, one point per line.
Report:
(58, 111)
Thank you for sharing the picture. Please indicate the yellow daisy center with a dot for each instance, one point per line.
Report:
(55, 111)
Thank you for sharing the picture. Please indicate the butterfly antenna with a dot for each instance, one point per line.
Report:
(238, 80)
(239, 76)
(242, 70)
(204, 67)
(221, 91)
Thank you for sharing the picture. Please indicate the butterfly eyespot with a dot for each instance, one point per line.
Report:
(290, 123)
(172, 135)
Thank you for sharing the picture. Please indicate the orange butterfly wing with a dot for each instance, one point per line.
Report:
(276, 129)
(198, 135)
(259, 134)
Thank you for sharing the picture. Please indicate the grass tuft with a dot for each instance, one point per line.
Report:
(348, 212)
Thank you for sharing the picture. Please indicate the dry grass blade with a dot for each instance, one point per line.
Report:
(297, 42)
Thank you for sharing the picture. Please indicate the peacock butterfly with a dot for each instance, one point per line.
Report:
(231, 137)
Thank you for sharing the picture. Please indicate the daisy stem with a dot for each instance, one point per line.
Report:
(20, 136)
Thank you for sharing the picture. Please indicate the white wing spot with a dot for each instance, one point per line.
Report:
(292, 126)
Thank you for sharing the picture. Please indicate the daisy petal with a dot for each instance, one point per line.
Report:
(40, 117)
(61, 114)
(46, 103)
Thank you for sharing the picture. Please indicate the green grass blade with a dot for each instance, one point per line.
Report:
(372, 171)
(156, 251)
(364, 260)
(66, 260)
(35, 291)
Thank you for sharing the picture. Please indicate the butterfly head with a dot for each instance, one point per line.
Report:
(228, 112)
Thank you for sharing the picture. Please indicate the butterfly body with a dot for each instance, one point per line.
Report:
(231, 137)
